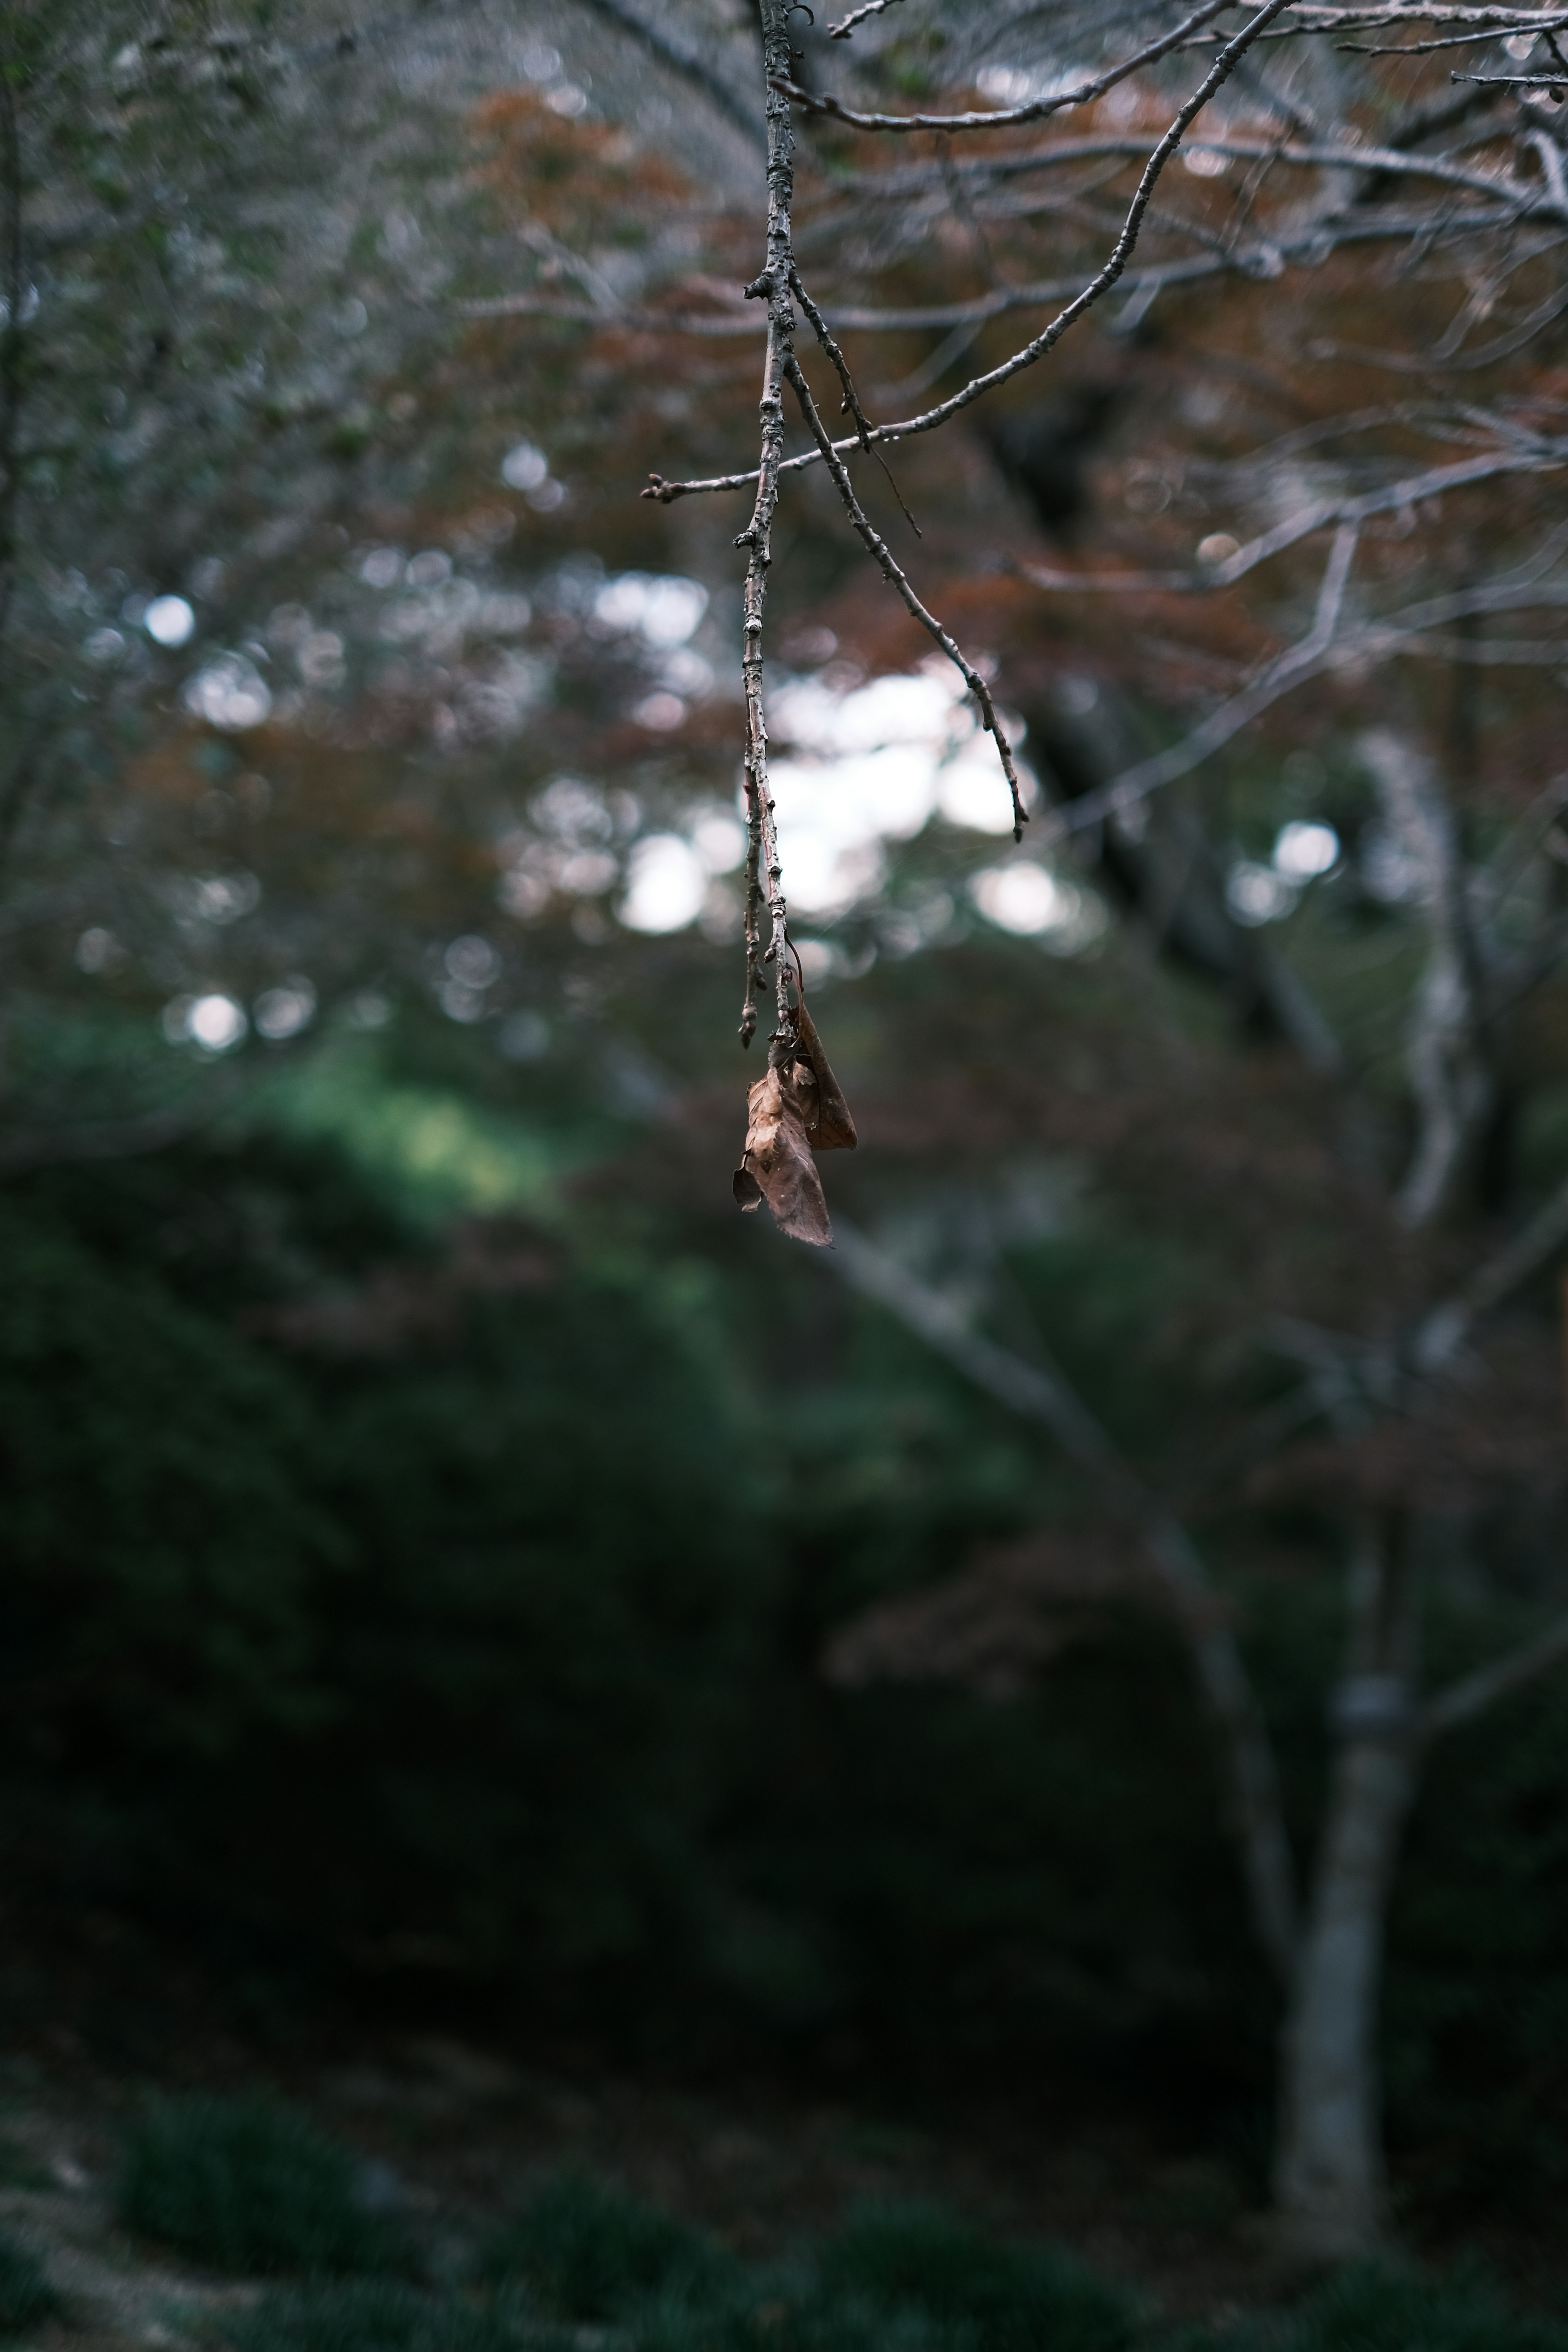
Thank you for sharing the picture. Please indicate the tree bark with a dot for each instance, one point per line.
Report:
(1330, 2188)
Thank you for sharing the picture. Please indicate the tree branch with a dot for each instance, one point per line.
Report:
(681, 60)
(1444, 1329)
(871, 538)
(1001, 119)
(1463, 1700)
(1374, 642)
(1218, 74)
(111, 1139)
(844, 29)
(1045, 1396)
(764, 874)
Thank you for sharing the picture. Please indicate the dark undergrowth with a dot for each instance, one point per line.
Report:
(246, 2186)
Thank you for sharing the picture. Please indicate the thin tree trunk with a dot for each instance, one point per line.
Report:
(1330, 2188)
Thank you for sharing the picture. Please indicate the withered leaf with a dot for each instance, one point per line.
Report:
(829, 1127)
(777, 1158)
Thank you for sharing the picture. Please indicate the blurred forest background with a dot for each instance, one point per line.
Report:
(459, 1576)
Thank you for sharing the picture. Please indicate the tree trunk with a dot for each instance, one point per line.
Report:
(1330, 2189)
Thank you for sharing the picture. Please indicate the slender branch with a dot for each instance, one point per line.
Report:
(1463, 1701)
(878, 547)
(1444, 1329)
(844, 29)
(11, 333)
(1291, 668)
(1327, 154)
(764, 871)
(1318, 651)
(1045, 1395)
(1310, 19)
(1522, 203)
(851, 397)
(1251, 261)
(1001, 119)
(1424, 49)
(111, 1139)
(1550, 160)
(681, 60)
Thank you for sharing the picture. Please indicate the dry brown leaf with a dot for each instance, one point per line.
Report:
(796, 1108)
(831, 1128)
(776, 1165)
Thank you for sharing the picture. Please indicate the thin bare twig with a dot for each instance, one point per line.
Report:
(1246, 261)
(114, 1138)
(851, 397)
(1408, 492)
(1462, 1701)
(763, 869)
(1002, 117)
(1423, 48)
(1444, 1328)
(844, 29)
(897, 578)
(1310, 19)
(680, 59)
(1376, 641)
(1042, 1393)
(1100, 284)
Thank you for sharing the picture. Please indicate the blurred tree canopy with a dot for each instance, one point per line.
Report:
(427, 1510)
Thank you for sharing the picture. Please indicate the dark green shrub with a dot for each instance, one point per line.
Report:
(588, 2252)
(364, 2316)
(1374, 2309)
(159, 1538)
(917, 2261)
(791, 2318)
(25, 2295)
(245, 2184)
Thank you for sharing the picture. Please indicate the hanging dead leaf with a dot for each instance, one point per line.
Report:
(830, 1127)
(776, 1164)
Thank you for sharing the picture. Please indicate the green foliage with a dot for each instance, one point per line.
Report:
(587, 2252)
(919, 2260)
(155, 1516)
(905, 2277)
(245, 2184)
(25, 2295)
(1376, 2309)
(364, 2316)
(502, 1661)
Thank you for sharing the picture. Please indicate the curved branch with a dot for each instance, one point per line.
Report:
(1318, 651)
(1219, 73)
(878, 547)
(845, 29)
(1444, 1329)
(1407, 492)
(1260, 261)
(112, 1138)
(683, 62)
(1463, 1701)
(1002, 118)
(1044, 1394)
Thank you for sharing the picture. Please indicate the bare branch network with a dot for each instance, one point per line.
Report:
(780, 284)
(1463, 201)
